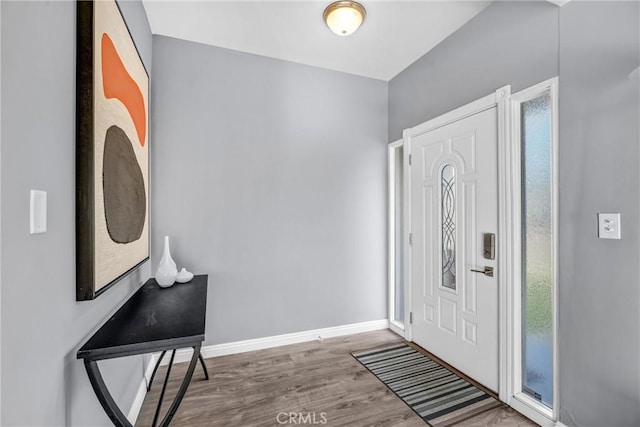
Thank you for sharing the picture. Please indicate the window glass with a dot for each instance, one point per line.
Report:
(448, 218)
(537, 248)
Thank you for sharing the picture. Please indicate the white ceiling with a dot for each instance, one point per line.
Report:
(393, 36)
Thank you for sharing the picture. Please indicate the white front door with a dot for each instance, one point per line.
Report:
(454, 203)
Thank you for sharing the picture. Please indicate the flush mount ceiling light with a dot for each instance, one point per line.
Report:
(344, 17)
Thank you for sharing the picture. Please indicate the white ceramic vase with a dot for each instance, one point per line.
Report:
(184, 276)
(167, 269)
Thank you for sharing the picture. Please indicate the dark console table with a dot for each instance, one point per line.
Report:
(153, 319)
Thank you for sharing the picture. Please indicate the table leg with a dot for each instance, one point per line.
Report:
(155, 369)
(183, 387)
(111, 408)
(204, 367)
(104, 397)
(164, 388)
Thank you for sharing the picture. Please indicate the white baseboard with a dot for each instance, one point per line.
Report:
(184, 355)
(132, 416)
(559, 3)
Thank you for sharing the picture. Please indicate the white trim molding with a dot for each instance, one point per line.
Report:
(505, 237)
(394, 325)
(520, 401)
(559, 3)
(0, 222)
(525, 405)
(136, 405)
(406, 230)
(184, 355)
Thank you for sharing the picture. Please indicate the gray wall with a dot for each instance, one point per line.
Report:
(510, 42)
(599, 163)
(592, 46)
(270, 177)
(42, 324)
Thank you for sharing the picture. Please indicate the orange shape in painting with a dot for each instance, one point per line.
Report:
(117, 83)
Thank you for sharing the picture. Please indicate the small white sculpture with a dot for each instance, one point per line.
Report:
(184, 276)
(167, 271)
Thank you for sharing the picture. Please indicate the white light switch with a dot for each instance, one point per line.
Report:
(609, 226)
(38, 212)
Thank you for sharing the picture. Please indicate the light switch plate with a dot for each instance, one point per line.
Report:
(609, 226)
(38, 212)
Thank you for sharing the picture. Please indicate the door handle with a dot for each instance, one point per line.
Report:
(488, 271)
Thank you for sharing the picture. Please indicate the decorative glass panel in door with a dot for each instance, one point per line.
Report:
(448, 218)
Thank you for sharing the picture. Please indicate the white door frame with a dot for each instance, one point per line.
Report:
(504, 258)
(394, 325)
(0, 222)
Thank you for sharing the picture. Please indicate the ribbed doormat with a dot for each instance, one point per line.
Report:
(440, 397)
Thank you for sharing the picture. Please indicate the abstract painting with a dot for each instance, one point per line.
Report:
(112, 150)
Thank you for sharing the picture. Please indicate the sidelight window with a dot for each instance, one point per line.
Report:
(535, 121)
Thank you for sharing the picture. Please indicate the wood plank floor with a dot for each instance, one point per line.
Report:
(251, 389)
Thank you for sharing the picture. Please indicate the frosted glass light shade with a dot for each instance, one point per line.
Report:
(344, 17)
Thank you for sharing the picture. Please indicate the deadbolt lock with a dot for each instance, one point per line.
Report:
(489, 247)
